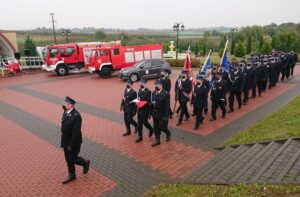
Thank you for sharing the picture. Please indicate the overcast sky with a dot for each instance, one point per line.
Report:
(157, 14)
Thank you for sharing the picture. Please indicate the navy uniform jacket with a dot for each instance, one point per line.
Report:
(186, 87)
(144, 95)
(236, 82)
(218, 91)
(71, 129)
(126, 104)
(166, 83)
(199, 96)
(160, 104)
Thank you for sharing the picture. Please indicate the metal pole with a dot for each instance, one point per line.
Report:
(177, 45)
(53, 26)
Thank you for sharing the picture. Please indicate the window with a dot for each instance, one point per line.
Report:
(146, 65)
(116, 51)
(70, 51)
(62, 52)
(156, 63)
(102, 53)
(53, 52)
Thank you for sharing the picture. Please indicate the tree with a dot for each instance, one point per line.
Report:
(196, 50)
(232, 46)
(288, 46)
(239, 50)
(261, 43)
(266, 48)
(30, 45)
(273, 43)
(249, 45)
(124, 38)
(100, 35)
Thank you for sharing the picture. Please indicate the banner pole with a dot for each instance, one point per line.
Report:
(223, 53)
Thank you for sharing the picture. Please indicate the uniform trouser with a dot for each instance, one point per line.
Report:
(246, 94)
(205, 108)
(231, 99)
(160, 125)
(199, 117)
(128, 118)
(283, 73)
(184, 111)
(253, 90)
(214, 106)
(292, 69)
(143, 120)
(287, 72)
(72, 158)
(259, 87)
(264, 84)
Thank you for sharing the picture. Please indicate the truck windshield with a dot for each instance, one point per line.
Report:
(53, 52)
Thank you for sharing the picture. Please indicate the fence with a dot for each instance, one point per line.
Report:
(26, 62)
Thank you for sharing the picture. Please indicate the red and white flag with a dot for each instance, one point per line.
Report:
(139, 103)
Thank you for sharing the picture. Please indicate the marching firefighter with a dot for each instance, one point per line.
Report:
(160, 106)
(166, 84)
(177, 96)
(235, 87)
(217, 96)
(198, 100)
(129, 108)
(143, 113)
(183, 95)
(71, 139)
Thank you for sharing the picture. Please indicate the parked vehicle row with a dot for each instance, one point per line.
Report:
(106, 58)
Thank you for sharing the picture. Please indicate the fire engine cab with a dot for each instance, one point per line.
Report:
(108, 58)
(63, 58)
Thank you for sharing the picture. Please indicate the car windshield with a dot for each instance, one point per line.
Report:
(138, 64)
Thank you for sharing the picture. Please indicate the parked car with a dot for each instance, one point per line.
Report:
(150, 68)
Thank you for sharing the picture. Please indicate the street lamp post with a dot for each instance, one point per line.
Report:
(66, 33)
(233, 30)
(177, 27)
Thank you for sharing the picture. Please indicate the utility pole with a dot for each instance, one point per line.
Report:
(54, 34)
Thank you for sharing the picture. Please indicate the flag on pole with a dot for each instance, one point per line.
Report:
(207, 69)
(188, 65)
(225, 63)
(139, 103)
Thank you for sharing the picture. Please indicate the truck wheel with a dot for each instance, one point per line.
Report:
(134, 77)
(62, 70)
(106, 72)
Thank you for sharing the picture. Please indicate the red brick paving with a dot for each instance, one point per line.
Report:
(32, 167)
(176, 160)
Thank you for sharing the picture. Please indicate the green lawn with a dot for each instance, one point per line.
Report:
(241, 190)
(281, 124)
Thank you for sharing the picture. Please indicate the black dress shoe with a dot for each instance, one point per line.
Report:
(127, 133)
(230, 111)
(69, 179)
(178, 123)
(168, 138)
(196, 127)
(212, 119)
(135, 130)
(223, 116)
(86, 167)
(186, 119)
(156, 143)
(139, 139)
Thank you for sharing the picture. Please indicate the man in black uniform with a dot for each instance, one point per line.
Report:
(166, 84)
(198, 100)
(205, 82)
(217, 96)
(144, 94)
(71, 139)
(184, 91)
(176, 89)
(247, 82)
(259, 77)
(235, 88)
(295, 59)
(160, 105)
(129, 108)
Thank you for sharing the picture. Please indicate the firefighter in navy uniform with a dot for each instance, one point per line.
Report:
(176, 90)
(166, 84)
(129, 108)
(143, 112)
(184, 91)
(205, 82)
(71, 139)
(160, 105)
(235, 87)
(217, 96)
(198, 100)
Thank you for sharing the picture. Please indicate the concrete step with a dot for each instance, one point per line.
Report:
(231, 170)
(280, 163)
(211, 173)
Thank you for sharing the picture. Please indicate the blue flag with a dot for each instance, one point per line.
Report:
(225, 63)
(207, 70)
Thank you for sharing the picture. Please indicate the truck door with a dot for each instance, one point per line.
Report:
(103, 56)
(70, 56)
(116, 59)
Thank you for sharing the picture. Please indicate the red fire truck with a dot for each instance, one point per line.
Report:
(63, 58)
(106, 59)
